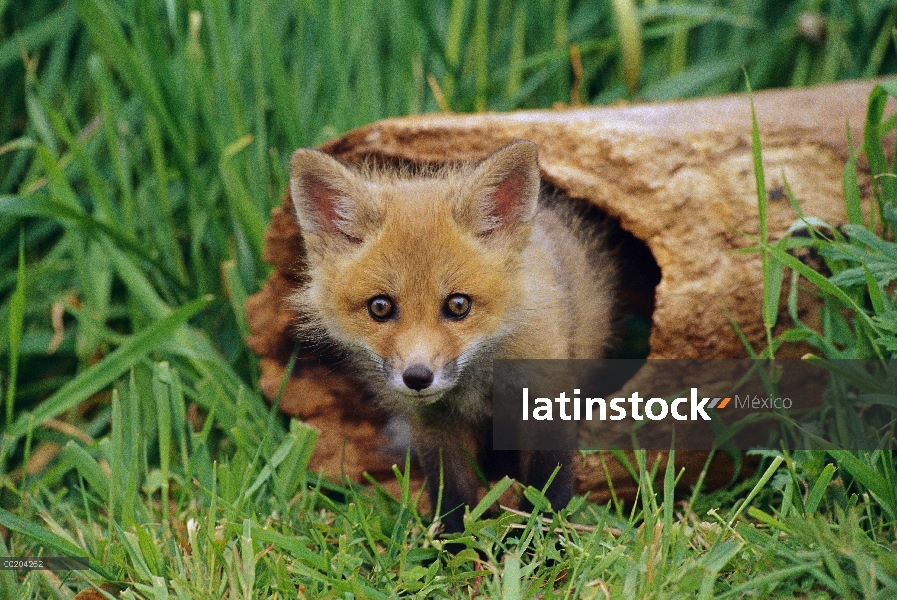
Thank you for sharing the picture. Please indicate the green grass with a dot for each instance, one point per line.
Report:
(142, 145)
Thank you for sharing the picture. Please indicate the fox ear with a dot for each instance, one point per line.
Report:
(502, 191)
(324, 193)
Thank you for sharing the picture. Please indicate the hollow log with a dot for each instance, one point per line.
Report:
(676, 177)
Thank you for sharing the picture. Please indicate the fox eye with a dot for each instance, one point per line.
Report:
(456, 306)
(381, 308)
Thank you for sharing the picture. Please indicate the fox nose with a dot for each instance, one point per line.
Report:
(417, 377)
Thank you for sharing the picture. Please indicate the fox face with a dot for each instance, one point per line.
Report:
(423, 279)
(417, 275)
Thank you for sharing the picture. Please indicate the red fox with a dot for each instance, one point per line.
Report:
(422, 279)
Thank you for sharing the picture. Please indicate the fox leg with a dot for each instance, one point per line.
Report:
(538, 468)
(451, 452)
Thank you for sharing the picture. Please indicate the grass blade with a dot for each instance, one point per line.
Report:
(851, 185)
(87, 467)
(109, 369)
(492, 497)
(629, 31)
(48, 540)
(818, 490)
(868, 477)
(16, 322)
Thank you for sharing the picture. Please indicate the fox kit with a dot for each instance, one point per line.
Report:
(422, 280)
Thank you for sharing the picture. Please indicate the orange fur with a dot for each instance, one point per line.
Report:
(537, 288)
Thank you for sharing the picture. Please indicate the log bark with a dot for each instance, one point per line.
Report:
(677, 177)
